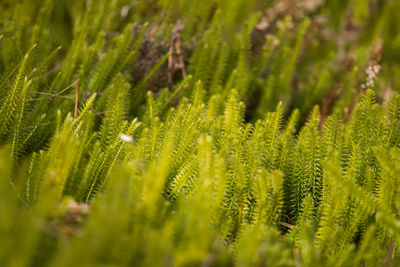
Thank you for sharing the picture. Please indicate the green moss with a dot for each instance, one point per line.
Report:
(187, 133)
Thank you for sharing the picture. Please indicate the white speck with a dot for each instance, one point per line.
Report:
(52, 175)
(125, 11)
(126, 138)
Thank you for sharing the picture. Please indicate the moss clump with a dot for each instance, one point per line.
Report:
(186, 133)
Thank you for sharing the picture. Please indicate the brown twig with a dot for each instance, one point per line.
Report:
(290, 220)
(47, 98)
(175, 59)
(53, 94)
(389, 254)
(180, 58)
(290, 226)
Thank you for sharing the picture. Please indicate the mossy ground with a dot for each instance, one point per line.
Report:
(199, 133)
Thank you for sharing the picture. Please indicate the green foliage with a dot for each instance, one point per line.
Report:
(187, 133)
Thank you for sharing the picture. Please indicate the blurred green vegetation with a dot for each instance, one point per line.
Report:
(199, 133)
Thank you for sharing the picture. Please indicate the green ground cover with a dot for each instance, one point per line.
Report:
(199, 133)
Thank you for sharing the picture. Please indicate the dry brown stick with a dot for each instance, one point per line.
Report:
(53, 94)
(180, 58)
(290, 226)
(47, 98)
(389, 254)
(290, 220)
(45, 93)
